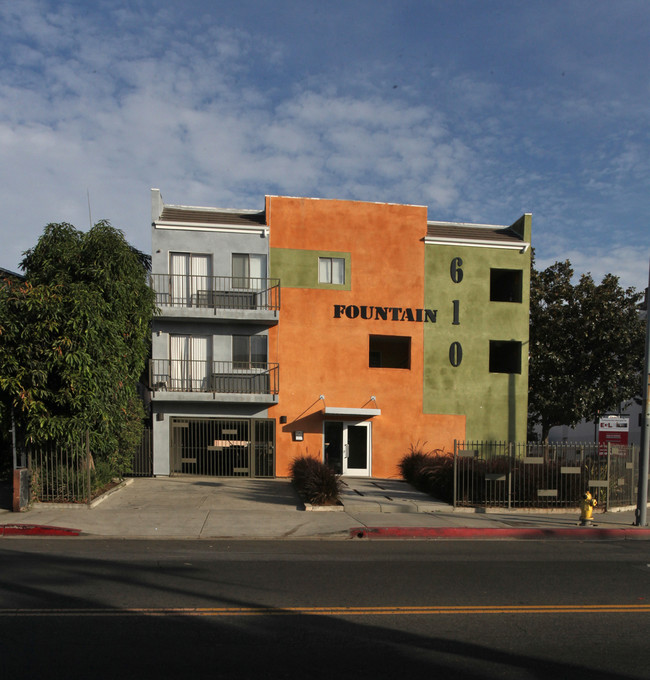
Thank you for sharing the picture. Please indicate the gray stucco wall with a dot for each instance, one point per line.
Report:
(221, 334)
(221, 245)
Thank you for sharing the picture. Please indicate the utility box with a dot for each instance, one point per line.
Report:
(21, 489)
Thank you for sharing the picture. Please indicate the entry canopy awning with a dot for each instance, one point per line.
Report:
(351, 412)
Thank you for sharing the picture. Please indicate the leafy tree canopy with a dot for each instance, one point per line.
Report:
(586, 346)
(74, 336)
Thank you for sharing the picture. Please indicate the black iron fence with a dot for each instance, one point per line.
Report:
(66, 473)
(538, 475)
(142, 464)
(61, 473)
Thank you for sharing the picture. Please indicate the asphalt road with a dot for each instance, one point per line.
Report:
(73, 608)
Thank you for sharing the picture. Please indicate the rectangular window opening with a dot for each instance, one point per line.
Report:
(190, 361)
(389, 351)
(331, 270)
(505, 356)
(248, 271)
(191, 279)
(249, 351)
(506, 285)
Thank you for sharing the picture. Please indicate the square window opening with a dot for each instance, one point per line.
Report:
(389, 351)
(331, 270)
(248, 271)
(249, 351)
(505, 356)
(506, 285)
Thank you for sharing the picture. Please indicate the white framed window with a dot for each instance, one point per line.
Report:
(190, 273)
(249, 271)
(331, 270)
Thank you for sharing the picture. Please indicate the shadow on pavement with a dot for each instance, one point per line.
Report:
(6, 495)
(77, 640)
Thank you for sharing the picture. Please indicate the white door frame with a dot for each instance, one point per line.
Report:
(356, 471)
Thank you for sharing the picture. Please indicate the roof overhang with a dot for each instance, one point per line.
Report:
(202, 226)
(476, 243)
(351, 412)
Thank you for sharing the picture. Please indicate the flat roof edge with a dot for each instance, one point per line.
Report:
(345, 200)
(471, 225)
(209, 209)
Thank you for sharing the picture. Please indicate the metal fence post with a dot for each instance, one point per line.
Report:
(609, 463)
(88, 487)
(511, 446)
(455, 471)
(634, 469)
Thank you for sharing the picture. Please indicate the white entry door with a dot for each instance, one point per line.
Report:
(348, 447)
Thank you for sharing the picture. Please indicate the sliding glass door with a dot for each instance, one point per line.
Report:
(190, 362)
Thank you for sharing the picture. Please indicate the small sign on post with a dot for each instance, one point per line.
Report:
(613, 430)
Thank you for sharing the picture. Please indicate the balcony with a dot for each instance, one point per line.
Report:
(183, 380)
(217, 297)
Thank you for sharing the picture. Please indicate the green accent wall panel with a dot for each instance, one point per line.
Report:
(299, 268)
(458, 285)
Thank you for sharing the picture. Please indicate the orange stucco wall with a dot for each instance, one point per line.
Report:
(322, 355)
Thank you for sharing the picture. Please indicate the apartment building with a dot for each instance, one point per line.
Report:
(343, 330)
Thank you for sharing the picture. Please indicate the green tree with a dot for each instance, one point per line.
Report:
(74, 339)
(586, 346)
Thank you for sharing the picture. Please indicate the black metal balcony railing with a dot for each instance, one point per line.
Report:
(216, 292)
(228, 377)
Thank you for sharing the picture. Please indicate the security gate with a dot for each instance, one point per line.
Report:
(218, 447)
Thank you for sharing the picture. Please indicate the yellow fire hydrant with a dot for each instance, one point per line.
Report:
(587, 505)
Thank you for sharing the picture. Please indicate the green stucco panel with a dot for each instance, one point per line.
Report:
(495, 404)
(299, 268)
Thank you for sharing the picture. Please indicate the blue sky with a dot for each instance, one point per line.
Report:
(479, 109)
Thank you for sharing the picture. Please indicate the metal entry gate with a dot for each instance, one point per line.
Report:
(218, 447)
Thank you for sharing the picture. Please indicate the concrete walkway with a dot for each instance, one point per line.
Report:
(211, 508)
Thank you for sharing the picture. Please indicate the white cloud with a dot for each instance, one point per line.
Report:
(116, 103)
(621, 260)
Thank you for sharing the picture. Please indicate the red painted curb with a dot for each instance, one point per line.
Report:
(36, 530)
(498, 533)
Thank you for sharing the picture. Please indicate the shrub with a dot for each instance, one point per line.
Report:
(316, 482)
(429, 471)
(103, 474)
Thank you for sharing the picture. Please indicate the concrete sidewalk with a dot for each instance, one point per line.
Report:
(241, 508)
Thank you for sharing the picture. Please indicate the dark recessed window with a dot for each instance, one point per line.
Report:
(249, 351)
(505, 356)
(505, 285)
(389, 351)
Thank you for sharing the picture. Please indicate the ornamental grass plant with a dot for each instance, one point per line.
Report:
(431, 472)
(316, 482)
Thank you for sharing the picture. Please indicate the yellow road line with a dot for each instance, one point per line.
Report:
(338, 611)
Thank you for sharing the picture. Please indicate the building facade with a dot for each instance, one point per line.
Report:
(342, 330)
